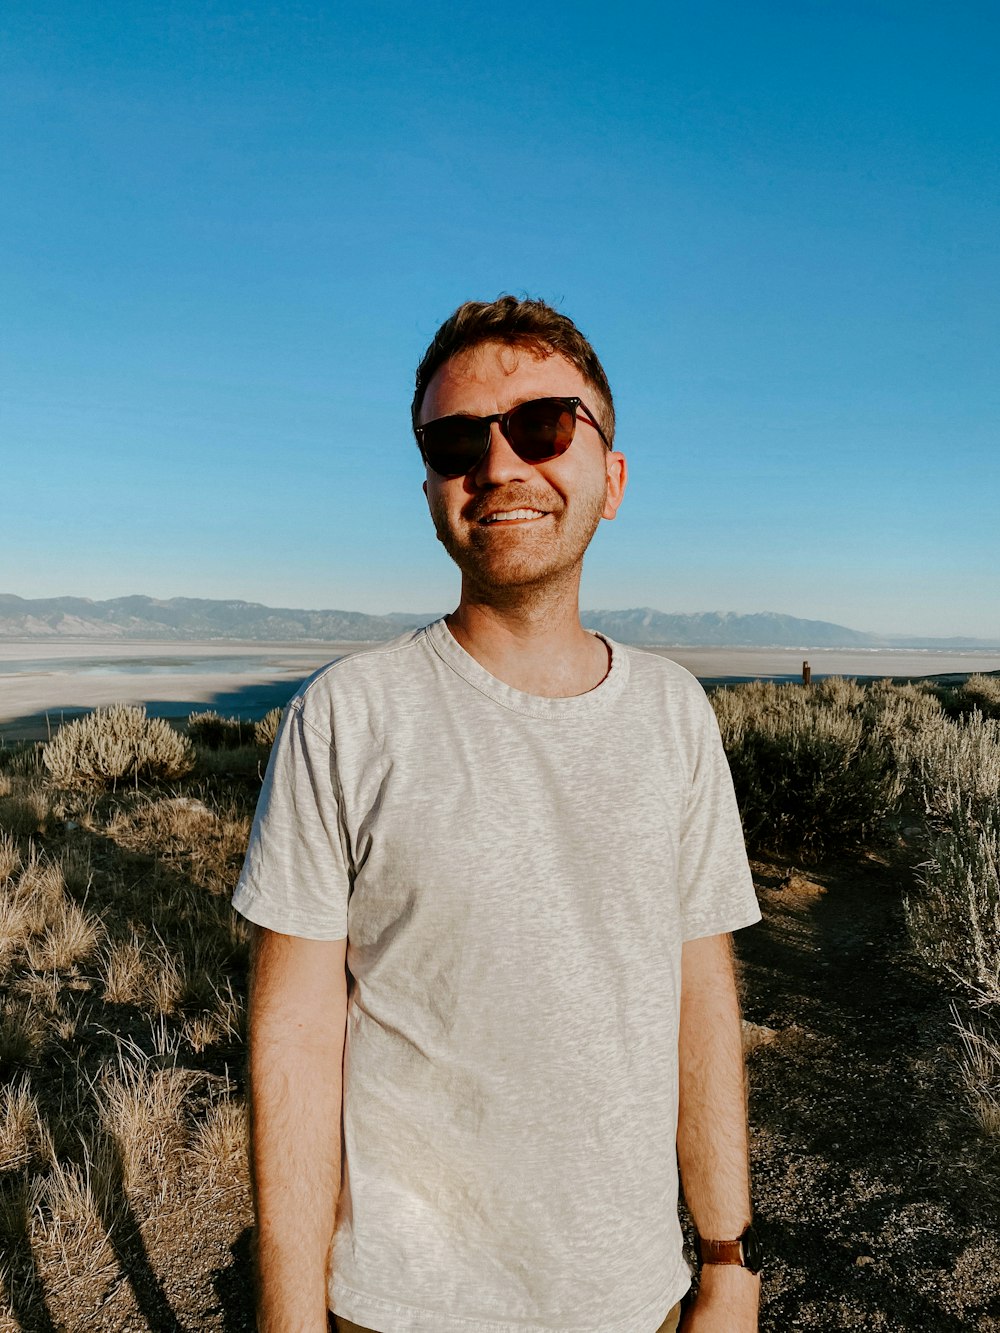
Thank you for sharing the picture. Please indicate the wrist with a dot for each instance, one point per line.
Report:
(726, 1278)
(730, 1294)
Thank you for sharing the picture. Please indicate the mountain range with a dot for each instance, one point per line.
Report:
(179, 619)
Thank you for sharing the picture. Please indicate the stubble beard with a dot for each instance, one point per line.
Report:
(521, 566)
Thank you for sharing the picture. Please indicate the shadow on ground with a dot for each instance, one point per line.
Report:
(249, 703)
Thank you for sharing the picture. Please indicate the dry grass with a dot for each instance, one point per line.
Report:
(19, 1124)
(142, 1108)
(69, 939)
(10, 857)
(24, 1033)
(26, 813)
(980, 1065)
(122, 993)
(219, 1146)
(136, 972)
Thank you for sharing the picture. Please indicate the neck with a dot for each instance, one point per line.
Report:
(531, 639)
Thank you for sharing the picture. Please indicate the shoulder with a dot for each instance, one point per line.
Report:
(358, 678)
(665, 700)
(366, 662)
(662, 676)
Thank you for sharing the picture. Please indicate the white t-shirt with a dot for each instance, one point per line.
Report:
(515, 876)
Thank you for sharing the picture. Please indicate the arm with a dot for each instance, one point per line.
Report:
(712, 1142)
(297, 1025)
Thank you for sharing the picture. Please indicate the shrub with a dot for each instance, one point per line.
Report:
(952, 768)
(982, 693)
(838, 690)
(114, 744)
(810, 773)
(897, 712)
(218, 733)
(954, 917)
(266, 730)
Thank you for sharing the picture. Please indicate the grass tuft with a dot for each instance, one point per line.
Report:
(980, 1066)
(69, 939)
(141, 1108)
(19, 1125)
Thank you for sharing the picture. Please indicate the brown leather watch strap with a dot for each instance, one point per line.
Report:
(721, 1251)
(746, 1250)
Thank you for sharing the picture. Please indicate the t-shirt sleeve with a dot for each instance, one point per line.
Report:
(717, 892)
(296, 877)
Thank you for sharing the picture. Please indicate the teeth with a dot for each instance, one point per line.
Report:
(511, 514)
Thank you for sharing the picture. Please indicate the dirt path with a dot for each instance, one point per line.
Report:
(878, 1197)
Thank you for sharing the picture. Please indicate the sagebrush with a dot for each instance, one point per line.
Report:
(114, 745)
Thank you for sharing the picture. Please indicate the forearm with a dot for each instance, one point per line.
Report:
(296, 1061)
(712, 1139)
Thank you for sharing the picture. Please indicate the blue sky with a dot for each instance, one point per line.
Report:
(228, 232)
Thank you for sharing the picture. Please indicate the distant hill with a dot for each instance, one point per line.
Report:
(184, 618)
(703, 629)
(181, 619)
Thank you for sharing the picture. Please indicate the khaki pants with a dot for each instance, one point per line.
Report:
(669, 1324)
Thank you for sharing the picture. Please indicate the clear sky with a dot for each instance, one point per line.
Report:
(227, 232)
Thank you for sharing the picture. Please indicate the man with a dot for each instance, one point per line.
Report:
(492, 874)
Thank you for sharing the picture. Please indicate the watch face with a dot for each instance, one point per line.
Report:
(753, 1252)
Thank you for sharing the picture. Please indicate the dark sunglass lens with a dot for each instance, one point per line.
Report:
(542, 429)
(453, 445)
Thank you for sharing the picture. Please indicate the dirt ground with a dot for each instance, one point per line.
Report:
(878, 1197)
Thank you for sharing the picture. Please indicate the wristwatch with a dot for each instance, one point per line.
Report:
(746, 1251)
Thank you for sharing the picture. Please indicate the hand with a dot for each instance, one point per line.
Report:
(727, 1301)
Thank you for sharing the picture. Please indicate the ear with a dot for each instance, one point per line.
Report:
(424, 489)
(617, 470)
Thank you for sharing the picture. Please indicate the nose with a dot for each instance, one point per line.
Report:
(500, 464)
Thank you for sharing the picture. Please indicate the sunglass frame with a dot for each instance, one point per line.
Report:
(576, 405)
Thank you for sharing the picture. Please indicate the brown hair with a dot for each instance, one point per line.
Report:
(527, 323)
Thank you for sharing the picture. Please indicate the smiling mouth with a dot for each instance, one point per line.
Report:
(513, 516)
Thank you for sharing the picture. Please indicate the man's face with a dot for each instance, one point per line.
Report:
(508, 523)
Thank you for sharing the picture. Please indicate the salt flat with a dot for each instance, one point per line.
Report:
(786, 663)
(53, 679)
(40, 682)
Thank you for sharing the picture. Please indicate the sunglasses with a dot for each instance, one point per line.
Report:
(537, 431)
